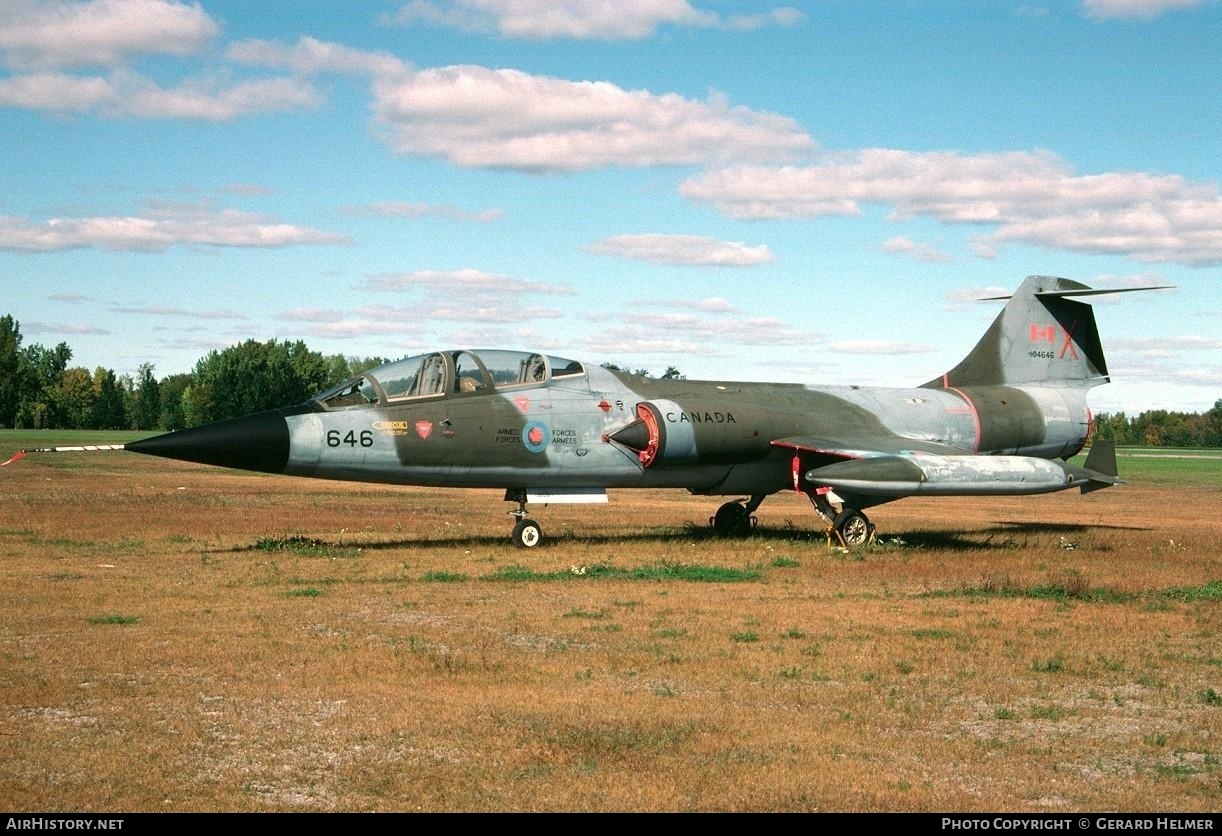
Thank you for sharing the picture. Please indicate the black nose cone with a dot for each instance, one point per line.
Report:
(251, 442)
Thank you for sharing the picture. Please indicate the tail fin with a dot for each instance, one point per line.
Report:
(1040, 336)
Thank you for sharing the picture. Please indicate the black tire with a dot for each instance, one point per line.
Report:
(853, 527)
(527, 534)
(732, 520)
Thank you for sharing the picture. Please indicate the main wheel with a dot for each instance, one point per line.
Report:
(853, 527)
(732, 520)
(527, 534)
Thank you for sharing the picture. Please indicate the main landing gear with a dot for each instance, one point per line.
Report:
(526, 533)
(737, 518)
(851, 526)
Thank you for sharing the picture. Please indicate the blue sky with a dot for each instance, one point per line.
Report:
(814, 192)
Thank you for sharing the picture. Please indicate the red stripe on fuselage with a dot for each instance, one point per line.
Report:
(975, 415)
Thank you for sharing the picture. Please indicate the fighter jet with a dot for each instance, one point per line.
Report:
(549, 429)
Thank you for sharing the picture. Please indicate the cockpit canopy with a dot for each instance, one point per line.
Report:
(446, 373)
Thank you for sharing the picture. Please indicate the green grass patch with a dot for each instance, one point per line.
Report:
(1047, 712)
(304, 546)
(932, 633)
(444, 577)
(304, 592)
(605, 571)
(745, 637)
(580, 613)
(1056, 664)
(785, 563)
(1211, 697)
(1211, 591)
(112, 619)
(670, 632)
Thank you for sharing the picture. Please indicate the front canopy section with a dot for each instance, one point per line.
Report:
(443, 374)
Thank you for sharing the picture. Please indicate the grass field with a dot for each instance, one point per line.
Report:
(176, 637)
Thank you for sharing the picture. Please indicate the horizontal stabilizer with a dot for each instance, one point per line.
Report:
(1100, 467)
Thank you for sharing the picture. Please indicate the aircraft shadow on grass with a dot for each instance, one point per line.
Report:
(999, 537)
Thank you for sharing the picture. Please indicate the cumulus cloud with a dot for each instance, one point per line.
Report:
(128, 94)
(877, 347)
(579, 19)
(477, 117)
(72, 329)
(158, 230)
(310, 55)
(49, 34)
(400, 209)
(658, 248)
(460, 283)
(698, 332)
(1145, 9)
(161, 310)
(1028, 197)
(902, 245)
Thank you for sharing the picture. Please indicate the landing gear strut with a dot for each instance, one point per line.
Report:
(736, 519)
(851, 526)
(526, 533)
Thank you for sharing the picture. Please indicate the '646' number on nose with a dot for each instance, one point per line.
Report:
(353, 439)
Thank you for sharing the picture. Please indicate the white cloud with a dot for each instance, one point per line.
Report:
(49, 34)
(878, 347)
(310, 315)
(709, 333)
(580, 19)
(902, 245)
(481, 118)
(1028, 197)
(158, 231)
(72, 329)
(969, 297)
(400, 209)
(310, 55)
(129, 94)
(1146, 9)
(658, 248)
(161, 310)
(1167, 345)
(460, 283)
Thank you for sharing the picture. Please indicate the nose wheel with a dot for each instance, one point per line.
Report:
(527, 534)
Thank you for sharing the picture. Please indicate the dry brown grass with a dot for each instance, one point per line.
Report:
(154, 660)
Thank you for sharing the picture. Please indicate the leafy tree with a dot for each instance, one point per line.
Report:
(72, 400)
(172, 389)
(12, 368)
(110, 407)
(146, 405)
(40, 377)
(252, 377)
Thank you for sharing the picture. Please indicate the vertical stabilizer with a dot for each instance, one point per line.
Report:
(1040, 336)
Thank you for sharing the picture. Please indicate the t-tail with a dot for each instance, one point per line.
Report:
(1041, 336)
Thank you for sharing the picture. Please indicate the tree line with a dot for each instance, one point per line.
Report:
(39, 390)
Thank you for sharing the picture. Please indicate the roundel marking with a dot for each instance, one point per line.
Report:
(536, 436)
